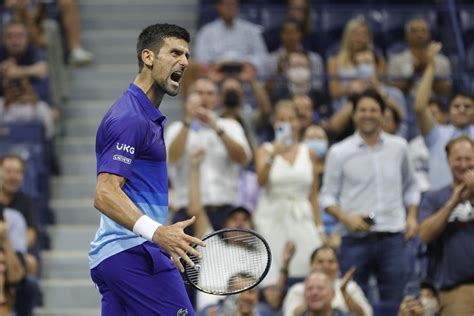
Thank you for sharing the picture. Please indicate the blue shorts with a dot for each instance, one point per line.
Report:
(141, 281)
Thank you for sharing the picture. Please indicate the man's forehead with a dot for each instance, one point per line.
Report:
(178, 43)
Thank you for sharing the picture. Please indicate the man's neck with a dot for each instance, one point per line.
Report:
(417, 50)
(370, 139)
(229, 22)
(145, 82)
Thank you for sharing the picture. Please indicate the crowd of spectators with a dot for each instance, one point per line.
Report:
(345, 158)
(39, 41)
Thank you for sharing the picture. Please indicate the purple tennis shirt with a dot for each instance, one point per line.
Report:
(130, 144)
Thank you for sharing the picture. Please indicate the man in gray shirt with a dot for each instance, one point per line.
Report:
(368, 186)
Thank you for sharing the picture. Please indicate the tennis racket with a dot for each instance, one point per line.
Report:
(233, 261)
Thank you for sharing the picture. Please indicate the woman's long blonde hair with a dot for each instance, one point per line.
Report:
(345, 55)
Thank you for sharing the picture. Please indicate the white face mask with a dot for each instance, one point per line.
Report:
(299, 74)
(430, 306)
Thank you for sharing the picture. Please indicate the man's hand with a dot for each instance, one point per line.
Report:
(192, 104)
(469, 181)
(411, 307)
(176, 243)
(460, 194)
(14, 71)
(288, 253)
(411, 227)
(248, 73)
(355, 222)
(346, 278)
(208, 117)
(433, 49)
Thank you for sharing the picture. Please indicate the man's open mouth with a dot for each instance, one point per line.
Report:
(176, 76)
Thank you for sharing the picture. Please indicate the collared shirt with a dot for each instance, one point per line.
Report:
(219, 173)
(130, 144)
(436, 140)
(241, 41)
(379, 180)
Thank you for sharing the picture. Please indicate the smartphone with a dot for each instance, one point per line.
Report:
(412, 289)
(283, 133)
(231, 68)
(370, 219)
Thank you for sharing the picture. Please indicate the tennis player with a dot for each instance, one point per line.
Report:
(131, 258)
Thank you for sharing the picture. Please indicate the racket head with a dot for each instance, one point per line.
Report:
(249, 265)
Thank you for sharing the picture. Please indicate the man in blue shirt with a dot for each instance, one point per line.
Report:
(447, 227)
(130, 255)
(369, 186)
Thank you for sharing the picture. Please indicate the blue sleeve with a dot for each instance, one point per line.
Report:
(119, 142)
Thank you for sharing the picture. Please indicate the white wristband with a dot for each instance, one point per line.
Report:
(145, 227)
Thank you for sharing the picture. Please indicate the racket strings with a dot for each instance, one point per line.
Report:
(230, 262)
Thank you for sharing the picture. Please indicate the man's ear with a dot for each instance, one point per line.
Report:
(147, 57)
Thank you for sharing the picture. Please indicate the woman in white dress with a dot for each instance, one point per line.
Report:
(288, 206)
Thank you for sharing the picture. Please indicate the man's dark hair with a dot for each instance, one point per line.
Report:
(460, 93)
(452, 142)
(152, 38)
(13, 156)
(293, 21)
(396, 116)
(325, 247)
(438, 103)
(369, 93)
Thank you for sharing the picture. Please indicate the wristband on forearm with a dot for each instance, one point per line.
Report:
(145, 227)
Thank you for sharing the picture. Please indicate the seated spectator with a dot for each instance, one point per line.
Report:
(427, 304)
(447, 227)
(227, 151)
(291, 35)
(287, 208)
(238, 217)
(348, 297)
(318, 295)
(417, 147)
(11, 268)
(245, 303)
(299, 11)
(12, 168)
(436, 136)
(227, 45)
(20, 104)
(369, 194)
(20, 59)
(345, 75)
(405, 68)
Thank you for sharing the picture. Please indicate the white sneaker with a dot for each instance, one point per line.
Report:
(80, 56)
